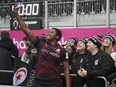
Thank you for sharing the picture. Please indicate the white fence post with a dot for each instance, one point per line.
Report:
(75, 13)
(46, 14)
(108, 13)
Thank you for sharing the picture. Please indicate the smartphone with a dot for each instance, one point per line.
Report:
(19, 5)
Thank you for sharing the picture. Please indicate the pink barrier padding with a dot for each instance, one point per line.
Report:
(18, 35)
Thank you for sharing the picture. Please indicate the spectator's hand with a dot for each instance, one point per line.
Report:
(82, 72)
(109, 84)
(85, 85)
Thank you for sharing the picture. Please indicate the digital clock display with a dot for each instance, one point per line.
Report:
(30, 9)
(31, 13)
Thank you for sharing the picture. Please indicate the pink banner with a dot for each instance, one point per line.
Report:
(18, 35)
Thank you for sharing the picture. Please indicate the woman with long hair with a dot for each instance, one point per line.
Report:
(107, 46)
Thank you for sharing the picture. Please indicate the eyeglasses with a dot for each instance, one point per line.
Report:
(107, 40)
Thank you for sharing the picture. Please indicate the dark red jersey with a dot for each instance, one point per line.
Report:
(49, 58)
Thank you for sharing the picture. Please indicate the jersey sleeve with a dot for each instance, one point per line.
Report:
(39, 41)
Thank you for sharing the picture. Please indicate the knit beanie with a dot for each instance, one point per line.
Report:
(96, 41)
(112, 38)
(75, 40)
(84, 41)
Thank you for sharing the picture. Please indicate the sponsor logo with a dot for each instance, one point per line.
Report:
(96, 62)
(19, 76)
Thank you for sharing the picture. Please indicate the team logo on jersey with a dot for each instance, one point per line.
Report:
(19, 76)
(81, 60)
(96, 62)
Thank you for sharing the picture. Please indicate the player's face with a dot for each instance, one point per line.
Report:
(52, 35)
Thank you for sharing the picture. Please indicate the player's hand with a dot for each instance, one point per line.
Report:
(15, 10)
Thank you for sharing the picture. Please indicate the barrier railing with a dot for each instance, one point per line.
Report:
(93, 12)
(105, 80)
(98, 77)
(7, 71)
(113, 83)
(10, 86)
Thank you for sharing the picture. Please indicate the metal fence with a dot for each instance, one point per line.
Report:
(70, 13)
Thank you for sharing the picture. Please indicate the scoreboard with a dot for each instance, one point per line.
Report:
(31, 13)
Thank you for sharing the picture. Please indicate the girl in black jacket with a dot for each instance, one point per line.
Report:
(98, 63)
(79, 61)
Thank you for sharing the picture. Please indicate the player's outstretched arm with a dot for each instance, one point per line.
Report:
(24, 27)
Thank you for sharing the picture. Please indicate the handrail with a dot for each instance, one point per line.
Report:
(7, 71)
(70, 74)
(98, 77)
(105, 80)
(10, 86)
(112, 85)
